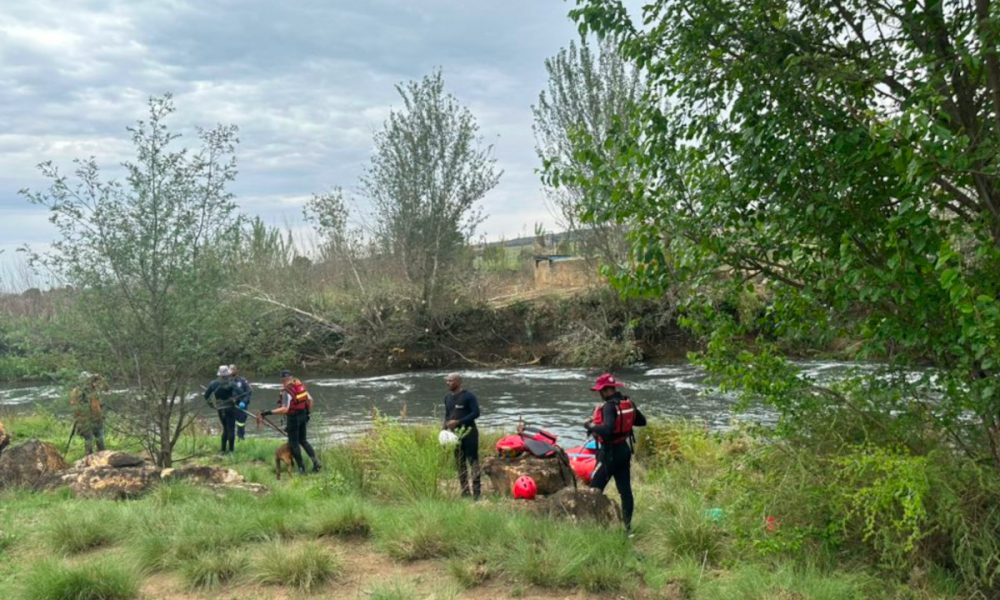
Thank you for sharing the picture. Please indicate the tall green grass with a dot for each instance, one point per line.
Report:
(304, 565)
(404, 463)
(95, 580)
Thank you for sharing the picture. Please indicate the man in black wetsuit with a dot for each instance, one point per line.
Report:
(461, 409)
(611, 425)
(226, 395)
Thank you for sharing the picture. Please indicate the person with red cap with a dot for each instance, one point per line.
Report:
(611, 425)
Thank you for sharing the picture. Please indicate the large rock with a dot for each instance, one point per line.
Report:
(550, 474)
(111, 482)
(582, 504)
(31, 464)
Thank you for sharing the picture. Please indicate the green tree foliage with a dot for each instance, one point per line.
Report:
(428, 172)
(842, 154)
(588, 94)
(148, 257)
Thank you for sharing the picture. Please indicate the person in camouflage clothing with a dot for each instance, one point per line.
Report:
(88, 414)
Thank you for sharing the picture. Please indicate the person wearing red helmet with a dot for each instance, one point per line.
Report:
(611, 425)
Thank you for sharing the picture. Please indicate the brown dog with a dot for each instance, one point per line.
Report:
(283, 455)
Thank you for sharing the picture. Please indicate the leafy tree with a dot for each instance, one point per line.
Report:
(587, 96)
(842, 154)
(427, 173)
(148, 258)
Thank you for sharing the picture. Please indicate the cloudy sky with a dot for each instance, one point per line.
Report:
(307, 82)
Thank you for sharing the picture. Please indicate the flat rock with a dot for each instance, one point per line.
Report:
(583, 504)
(550, 474)
(30, 464)
(203, 474)
(108, 458)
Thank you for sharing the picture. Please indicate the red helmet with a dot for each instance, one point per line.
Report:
(606, 380)
(525, 488)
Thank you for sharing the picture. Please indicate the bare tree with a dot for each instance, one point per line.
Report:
(427, 173)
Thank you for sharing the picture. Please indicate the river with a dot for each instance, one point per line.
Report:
(557, 399)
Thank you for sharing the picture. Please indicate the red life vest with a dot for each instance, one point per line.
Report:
(623, 422)
(298, 396)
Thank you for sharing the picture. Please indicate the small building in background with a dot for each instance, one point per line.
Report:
(562, 271)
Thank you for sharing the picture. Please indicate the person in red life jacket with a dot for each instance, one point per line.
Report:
(296, 404)
(611, 425)
(461, 409)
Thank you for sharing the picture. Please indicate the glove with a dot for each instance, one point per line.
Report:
(243, 405)
(266, 413)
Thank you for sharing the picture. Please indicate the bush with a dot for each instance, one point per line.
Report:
(100, 580)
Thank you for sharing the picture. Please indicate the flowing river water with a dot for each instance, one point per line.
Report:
(554, 398)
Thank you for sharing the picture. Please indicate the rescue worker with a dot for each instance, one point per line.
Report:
(243, 395)
(296, 404)
(611, 425)
(461, 409)
(223, 388)
(88, 414)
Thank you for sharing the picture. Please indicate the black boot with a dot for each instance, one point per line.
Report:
(316, 467)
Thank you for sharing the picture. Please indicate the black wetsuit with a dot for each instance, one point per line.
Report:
(464, 408)
(225, 392)
(615, 459)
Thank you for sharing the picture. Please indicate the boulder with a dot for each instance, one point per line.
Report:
(31, 464)
(550, 474)
(108, 458)
(582, 504)
(111, 482)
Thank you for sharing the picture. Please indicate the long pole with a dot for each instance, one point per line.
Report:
(72, 432)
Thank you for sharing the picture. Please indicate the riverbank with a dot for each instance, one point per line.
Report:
(384, 520)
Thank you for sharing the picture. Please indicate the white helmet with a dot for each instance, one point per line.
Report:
(224, 371)
(447, 438)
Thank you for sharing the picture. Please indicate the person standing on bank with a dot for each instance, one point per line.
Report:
(296, 403)
(88, 414)
(243, 394)
(461, 409)
(224, 389)
(611, 425)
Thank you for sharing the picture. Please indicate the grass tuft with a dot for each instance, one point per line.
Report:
(211, 569)
(304, 566)
(99, 580)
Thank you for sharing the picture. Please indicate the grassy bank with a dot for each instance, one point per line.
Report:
(384, 520)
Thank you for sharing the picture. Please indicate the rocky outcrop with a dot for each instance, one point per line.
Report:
(31, 464)
(550, 474)
(583, 504)
(110, 482)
